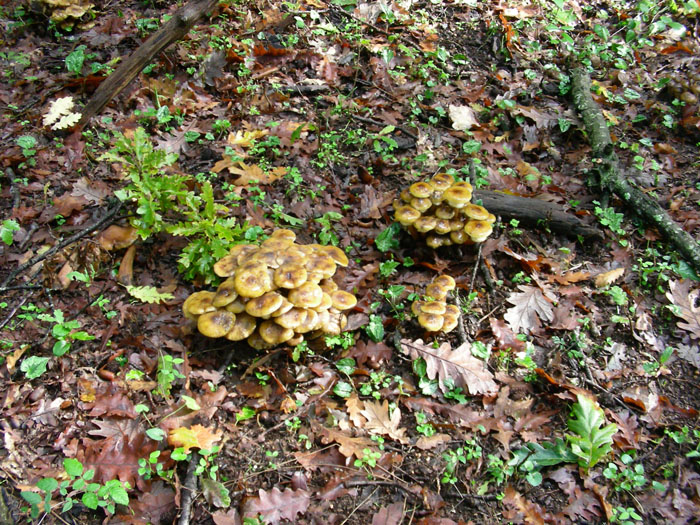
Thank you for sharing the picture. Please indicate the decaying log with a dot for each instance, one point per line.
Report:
(535, 212)
(173, 30)
(610, 178)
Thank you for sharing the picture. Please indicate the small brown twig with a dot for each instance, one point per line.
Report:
(190, 487)
(70, 240)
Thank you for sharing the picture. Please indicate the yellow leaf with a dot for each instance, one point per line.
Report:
(196, 436)
(253, 174)
(607, 278)
(245, 138)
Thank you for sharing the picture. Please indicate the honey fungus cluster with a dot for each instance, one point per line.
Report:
(433, 313)
(441, 210)
(274, 293)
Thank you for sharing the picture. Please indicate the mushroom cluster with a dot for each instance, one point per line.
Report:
(278, 292)
(441, 209)
(433, 313)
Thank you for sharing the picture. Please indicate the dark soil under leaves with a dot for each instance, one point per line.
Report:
(290, 447)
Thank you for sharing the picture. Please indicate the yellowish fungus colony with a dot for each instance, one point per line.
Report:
(433, 313)
(278, 292)
(441, 210)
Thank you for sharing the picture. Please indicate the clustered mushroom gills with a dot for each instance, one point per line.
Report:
(433, 313)
(274, 293)
(441, 209)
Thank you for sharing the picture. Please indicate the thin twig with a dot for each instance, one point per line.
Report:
(70, 240)
(190, 487)
(367, 120)
(370, 483)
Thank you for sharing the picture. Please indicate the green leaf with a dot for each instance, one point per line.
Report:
(190, 403)
(61, 347)
(89, 499)
(245, 413)
(156, 434)
(342, 389)
(117, 492)
(215, 493)
(74, 468)
(34, 366)
(592, 439)
(375, 328)
(7, 230)
(346, 365)
(148, 294)
(26, 142)
(471, 146)
(387, 239)
(75, 60)
(33, 498)
(47, 484)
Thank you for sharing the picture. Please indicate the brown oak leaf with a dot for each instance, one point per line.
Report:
(530, 306)
(275, 505)
(197, 436)
(380, 422)
(457, 365)
(685, 306)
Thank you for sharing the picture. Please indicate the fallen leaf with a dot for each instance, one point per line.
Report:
(380, 422)
(458, 365)
(245, 139)
(530, 512)
(684, 306)
(426, 443)
(606, 279)
(391, 515)
(275, 505)
(530, 306)
(196, 436)
(691, 354)
(355, 407)
(349, 445)
(463, 117)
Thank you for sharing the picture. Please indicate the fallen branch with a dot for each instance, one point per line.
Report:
(70, 240)
(535, 212)
(613, 181)
(173, 30)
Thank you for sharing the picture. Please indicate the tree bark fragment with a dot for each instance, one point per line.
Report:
(613, 181)
(173, 30)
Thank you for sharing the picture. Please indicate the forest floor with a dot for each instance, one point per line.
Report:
(569, 392)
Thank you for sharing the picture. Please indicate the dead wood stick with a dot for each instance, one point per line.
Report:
(173, 30)
(613, 181)
(56, 247)
(535, 212)
(189, 488)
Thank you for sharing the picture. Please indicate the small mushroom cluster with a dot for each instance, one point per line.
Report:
(441, 210)
(274, 293)
(433, 313)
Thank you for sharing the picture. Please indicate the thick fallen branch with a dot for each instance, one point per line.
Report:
(612, 180)
(173, 30)
(535, 212)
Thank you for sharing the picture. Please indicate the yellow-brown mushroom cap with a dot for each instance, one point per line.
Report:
(264, 305)
(405, 195)
(415, 307)
(308, 295)
(441, 181)
(406, 215)
(283, 233)
(478, 230)
(243, 327)
(436, 291)
(446, 281)
(463, 184)
(237, 305)
(443, 226)
(452, 309)
(253, 279)
(216, 324)
(449, 323)
(476, 212)
(283, 309)
(421, 205)
(337, 255)
(457, 196)
(309, 323)
(273, 333)
(433, 307)
(198, 303)
(431, 322)
(319, 266)
(444, 211)
(425, 223)
(290, 275)
(422, 190)
(459, 237)
(328, 285)
(293, 318)
(434, 241)
(343, 300)
(226, 266)
(326, 302)
(226, 293)
(257, 342)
